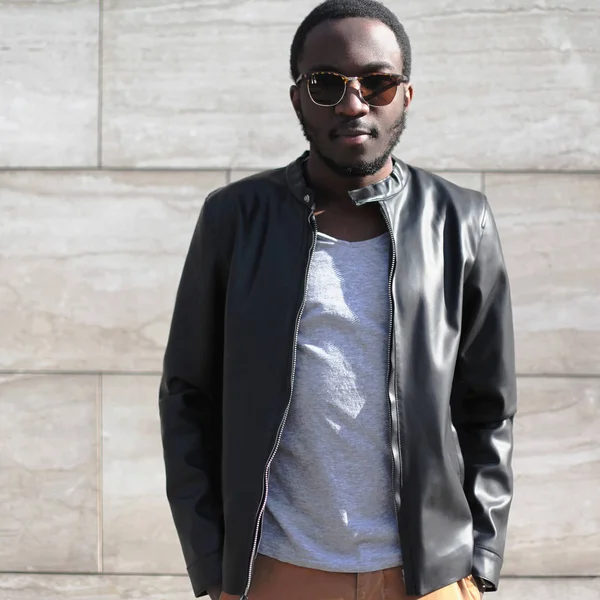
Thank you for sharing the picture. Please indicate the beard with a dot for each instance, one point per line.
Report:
(361, 168)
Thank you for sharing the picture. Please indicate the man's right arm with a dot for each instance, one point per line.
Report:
(190, 408)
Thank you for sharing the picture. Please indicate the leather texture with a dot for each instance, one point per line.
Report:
(228, 369)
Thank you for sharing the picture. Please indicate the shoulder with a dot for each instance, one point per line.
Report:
(256, 187)
(462, 203)
(238, 203)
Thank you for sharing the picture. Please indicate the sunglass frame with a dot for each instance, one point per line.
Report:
(399, 80)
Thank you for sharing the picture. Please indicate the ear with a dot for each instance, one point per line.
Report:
(409, 93)
(295, 98)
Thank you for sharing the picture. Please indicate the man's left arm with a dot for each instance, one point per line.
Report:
(484, 402)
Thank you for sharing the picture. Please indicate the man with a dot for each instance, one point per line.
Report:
(339, 382)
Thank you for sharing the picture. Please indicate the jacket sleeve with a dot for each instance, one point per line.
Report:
(190, 407)
(484, 401)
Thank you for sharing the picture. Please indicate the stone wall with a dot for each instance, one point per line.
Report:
(116, 119)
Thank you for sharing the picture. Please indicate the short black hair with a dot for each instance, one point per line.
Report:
(335, 10)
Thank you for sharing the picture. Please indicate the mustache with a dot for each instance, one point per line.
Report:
(349, 126)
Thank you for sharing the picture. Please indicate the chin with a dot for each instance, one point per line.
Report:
(356, 166)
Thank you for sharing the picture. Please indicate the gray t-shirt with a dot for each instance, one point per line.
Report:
(330, 504)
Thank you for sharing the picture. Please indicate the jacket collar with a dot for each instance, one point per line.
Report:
(382, 190)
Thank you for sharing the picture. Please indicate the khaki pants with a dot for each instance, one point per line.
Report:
(275, 580)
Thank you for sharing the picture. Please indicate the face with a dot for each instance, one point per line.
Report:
(352, 138)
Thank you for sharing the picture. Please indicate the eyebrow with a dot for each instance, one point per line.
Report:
(368, 68)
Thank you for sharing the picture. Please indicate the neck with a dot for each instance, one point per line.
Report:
(325, 181)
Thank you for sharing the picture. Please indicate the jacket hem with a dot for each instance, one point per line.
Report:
(206, 572)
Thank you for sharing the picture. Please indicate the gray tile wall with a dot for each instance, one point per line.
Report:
(49, 83)
(117, 118)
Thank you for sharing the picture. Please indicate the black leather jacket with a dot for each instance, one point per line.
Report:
(229, 369)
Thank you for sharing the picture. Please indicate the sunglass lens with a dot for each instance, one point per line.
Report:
(326, 89)
(379, 90)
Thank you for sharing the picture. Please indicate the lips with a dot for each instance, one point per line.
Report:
(351, 133)
(356, 138)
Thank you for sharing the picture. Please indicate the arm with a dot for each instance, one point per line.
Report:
(484, 401)
(190, 408)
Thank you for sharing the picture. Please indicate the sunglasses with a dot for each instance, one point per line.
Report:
(326, 88)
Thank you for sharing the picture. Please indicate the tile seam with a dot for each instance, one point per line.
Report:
(74, 373)
(91, 574)
(100, 79)
(100, 474)
(111, 170)
(217, 169)
(184, 575)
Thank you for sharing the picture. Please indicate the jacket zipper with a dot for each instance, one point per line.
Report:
(395, 436)
(263, 505)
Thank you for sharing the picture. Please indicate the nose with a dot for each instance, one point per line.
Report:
(352, 104)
